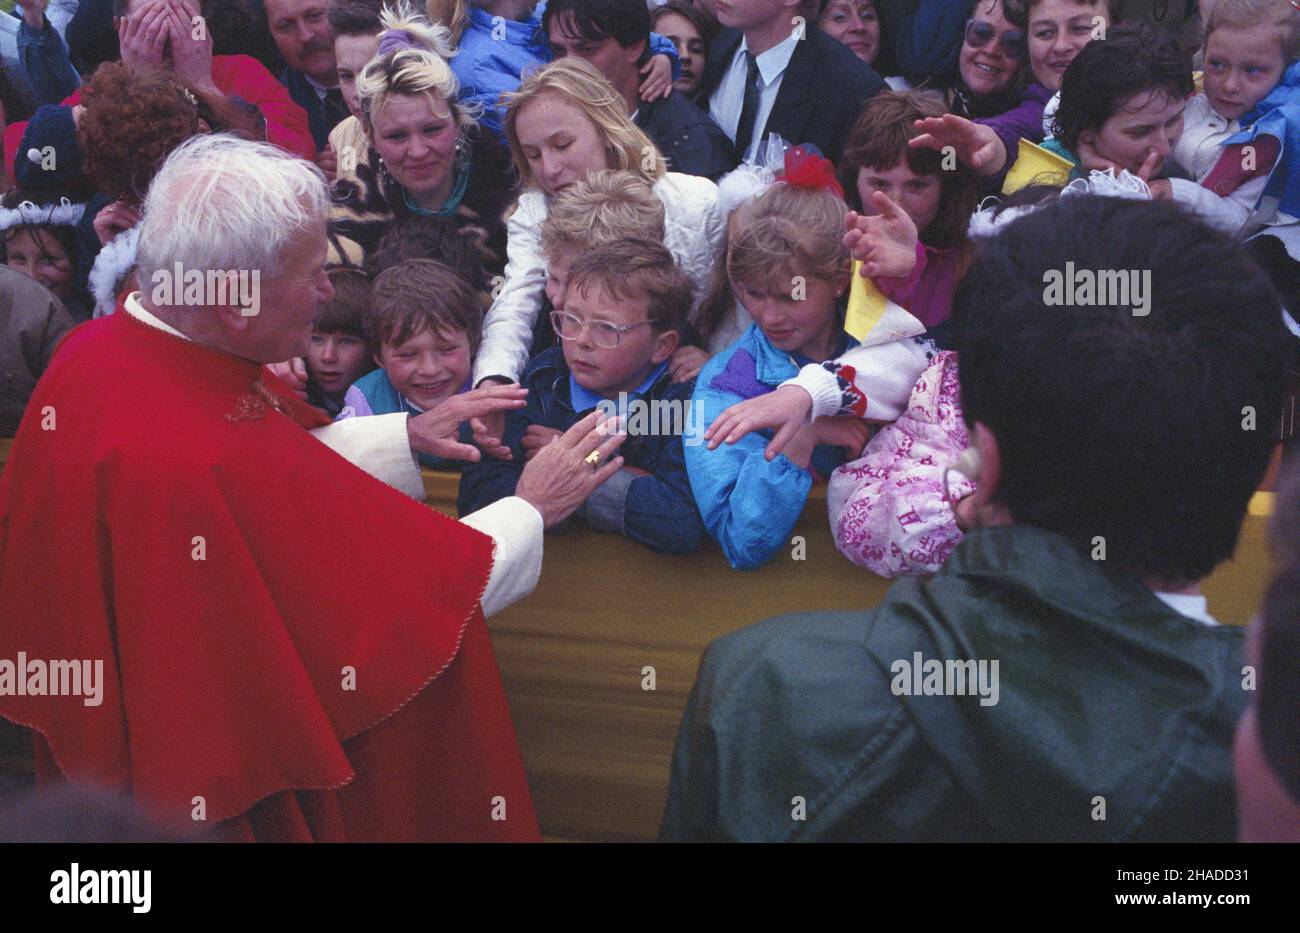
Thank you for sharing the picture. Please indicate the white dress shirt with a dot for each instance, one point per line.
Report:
(380, 446)
(729, 96)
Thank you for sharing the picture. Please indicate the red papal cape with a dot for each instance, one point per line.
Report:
(291, 649)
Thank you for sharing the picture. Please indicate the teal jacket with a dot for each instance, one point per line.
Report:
(1109, 704)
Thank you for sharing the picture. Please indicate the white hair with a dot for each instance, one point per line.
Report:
(220, 202)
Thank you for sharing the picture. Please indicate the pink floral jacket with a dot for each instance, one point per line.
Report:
(887, 509)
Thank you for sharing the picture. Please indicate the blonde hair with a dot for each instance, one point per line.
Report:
(782, 233)
(605, 207)
(419, 69)
(1242, 14)
(454, 14)
(581, 85)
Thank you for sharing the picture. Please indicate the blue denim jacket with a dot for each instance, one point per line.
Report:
(656, 510)
(495, 52)
(45, 64)
(750, 504)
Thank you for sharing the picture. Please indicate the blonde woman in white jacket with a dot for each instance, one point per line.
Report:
(565, 121)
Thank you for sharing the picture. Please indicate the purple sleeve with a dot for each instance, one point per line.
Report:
(355, 405)
(1023, 121)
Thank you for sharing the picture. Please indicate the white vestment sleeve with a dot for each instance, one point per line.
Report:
(516, 531)
(379, 445)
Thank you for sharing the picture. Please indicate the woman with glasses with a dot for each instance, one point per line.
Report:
(565, 122)
(996, 99)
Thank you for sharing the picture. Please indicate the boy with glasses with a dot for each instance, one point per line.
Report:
(624, 309)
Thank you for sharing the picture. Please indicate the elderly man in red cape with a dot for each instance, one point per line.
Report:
(290, 649)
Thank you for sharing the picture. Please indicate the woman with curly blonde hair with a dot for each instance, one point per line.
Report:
(424, 155)
(565, 122)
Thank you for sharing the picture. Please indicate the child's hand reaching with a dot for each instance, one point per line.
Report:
(686, 363)
(535, 438)
(974, 144)
(656, 78)
(435, 432)
(885, 242)
(844, 431)
(490, 428)
(786, 410)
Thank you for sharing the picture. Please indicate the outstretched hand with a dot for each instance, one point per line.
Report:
(436, 431)
(974, 144)
(884, 242)
(559, 478)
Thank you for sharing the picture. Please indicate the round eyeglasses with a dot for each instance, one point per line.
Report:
(606, 334)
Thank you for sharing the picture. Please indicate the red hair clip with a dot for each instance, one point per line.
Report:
(805, 167)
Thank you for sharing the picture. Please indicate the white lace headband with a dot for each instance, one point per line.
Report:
(984, 223)
(63, 214)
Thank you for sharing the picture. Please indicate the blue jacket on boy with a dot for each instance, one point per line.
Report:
(750, 504)
(656, 510)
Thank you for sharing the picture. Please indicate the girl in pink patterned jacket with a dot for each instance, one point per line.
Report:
(889, 510)
(901, 507)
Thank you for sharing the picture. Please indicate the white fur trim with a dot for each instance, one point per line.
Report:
(63, 214)
(1106, 183)
(111, 266)
(742, 184)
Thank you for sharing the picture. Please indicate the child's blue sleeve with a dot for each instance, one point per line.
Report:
(749, 504)
(659, 45)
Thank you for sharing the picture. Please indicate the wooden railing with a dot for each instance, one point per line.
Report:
(610, 619)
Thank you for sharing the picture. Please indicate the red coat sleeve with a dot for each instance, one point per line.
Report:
(286, 122)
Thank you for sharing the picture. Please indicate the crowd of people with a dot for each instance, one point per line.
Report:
(911, 249)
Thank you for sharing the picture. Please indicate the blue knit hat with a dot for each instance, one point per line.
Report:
(48, 158)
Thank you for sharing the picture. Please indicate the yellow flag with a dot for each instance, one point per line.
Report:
(1036, 166)
(866, 305)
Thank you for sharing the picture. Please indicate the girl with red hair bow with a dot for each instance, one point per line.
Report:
(783, 282)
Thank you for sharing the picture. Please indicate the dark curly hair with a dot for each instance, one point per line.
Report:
(129, 125)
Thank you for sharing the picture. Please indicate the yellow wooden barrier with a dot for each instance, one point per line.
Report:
(577, 656)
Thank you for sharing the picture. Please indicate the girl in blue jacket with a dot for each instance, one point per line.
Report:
(787, 264)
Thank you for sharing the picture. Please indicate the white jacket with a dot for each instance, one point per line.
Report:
(694, 229)
(1198, 151)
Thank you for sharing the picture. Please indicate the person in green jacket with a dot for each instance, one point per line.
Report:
(1060, 678)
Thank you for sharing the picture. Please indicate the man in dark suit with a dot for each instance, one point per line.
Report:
(771, 71)
(614, 36)
(301, 30)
